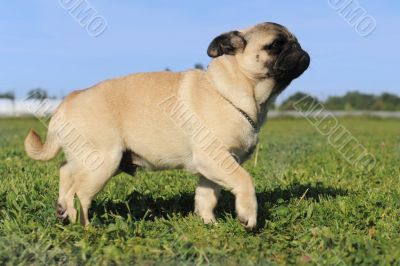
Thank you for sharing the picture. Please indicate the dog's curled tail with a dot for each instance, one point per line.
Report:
(38, 151)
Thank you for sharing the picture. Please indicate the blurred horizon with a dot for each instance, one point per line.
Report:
(42, 44)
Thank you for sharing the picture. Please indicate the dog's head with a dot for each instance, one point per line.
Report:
(267, 50)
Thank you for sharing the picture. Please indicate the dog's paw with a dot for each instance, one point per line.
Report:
(61, 212)
(64, 214)
(206, 217)
(246, 209)
(248, 223)
(209, 220)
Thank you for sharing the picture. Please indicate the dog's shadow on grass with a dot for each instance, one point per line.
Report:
(148, 207)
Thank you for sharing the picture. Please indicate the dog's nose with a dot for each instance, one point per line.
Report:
(304, 61)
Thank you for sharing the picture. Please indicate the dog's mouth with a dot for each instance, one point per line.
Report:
(290, 64)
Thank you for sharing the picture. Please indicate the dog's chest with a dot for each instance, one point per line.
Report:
(244, 145)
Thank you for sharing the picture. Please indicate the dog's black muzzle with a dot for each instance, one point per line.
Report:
(291, 63)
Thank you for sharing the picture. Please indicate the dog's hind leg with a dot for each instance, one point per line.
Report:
(207, 193)
(92, 182)
(65, 204)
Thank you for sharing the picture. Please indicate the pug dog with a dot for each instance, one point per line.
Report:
(206, 122)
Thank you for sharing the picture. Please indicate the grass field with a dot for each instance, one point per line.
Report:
(314, 207)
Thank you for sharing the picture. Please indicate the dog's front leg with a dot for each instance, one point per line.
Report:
(220, 167)
(207, 193)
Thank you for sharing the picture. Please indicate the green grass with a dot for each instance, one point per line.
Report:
(346, 216)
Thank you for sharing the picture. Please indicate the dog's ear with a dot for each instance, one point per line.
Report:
(228, 43)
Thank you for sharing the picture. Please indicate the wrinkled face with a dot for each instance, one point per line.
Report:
(265, 51)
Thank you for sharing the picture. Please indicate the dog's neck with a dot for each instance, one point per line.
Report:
(243, 92)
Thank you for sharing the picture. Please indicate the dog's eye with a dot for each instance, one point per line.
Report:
(276, 45)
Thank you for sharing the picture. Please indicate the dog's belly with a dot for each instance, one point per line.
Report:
(131, 161)
(154, 160)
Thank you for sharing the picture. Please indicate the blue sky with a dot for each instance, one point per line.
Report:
(41, 45)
